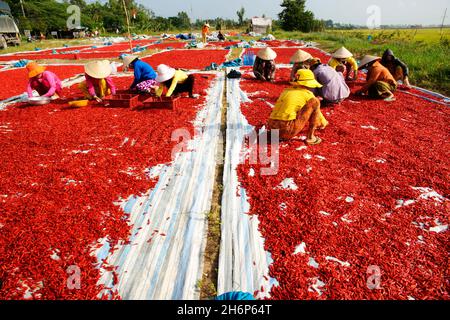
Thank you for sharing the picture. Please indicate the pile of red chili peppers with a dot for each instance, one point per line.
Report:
(188, 59)
(62, 170)
(284, 55)
(16, 80)
(356, 207)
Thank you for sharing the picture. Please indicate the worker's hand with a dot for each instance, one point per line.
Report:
(406, 83)
(340, 68)
(98, 99)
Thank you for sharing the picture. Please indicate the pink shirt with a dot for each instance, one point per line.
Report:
(48, 80)
(92, 82)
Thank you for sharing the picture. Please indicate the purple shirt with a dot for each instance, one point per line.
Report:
(334, 86)
(49, 81)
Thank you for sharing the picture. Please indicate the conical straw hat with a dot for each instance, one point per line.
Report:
(368, 59)
(165, 73)
(267, 54)
(98, 69)
(301, 56)
(342, 53)
(127, 60)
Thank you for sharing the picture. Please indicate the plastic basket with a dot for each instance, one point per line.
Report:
(162, 103)
(122, 101)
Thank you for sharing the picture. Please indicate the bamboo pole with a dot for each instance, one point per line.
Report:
(128, 25)
(23, 10)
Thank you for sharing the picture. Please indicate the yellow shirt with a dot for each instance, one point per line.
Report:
(290, 102)
(334, 63)
(179, 77)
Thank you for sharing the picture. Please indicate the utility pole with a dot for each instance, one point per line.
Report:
(23, 10)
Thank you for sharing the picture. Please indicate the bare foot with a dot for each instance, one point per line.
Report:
(314, 141)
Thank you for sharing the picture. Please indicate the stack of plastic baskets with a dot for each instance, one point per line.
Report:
(249, 58)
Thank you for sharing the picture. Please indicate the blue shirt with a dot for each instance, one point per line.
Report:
(142, 72)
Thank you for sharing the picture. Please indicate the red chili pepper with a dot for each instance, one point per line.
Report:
(368, 235)
(60, 199)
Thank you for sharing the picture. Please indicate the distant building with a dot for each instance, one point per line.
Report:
(261, 25)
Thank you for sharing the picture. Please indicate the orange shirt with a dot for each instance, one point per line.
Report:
(378, 73)
(205, 30)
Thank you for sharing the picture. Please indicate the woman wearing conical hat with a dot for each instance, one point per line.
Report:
(46, 83)
(144, 75)
(300, 59)
(334, 89)
(174, 82)
(380, 83)
(296, 107)
(98, 82)
(264, 67)
(342, 60)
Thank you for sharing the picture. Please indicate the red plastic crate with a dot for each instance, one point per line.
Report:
(122, 101)
(162, 102)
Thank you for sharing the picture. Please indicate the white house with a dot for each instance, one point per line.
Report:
(261, 25)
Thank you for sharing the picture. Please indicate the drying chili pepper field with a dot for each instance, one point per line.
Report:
(284, 55)
(373, 196)
(74, 165)
(124, 196)
(17, 79)
(188, 59)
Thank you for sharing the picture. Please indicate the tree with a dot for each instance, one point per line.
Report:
(241, 14)
(295, 17)
(329, 24)
(184, 20)
(181, 21)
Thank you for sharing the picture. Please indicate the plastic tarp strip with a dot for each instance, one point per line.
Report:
(243, 262)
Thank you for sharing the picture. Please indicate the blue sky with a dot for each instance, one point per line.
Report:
(345, 11)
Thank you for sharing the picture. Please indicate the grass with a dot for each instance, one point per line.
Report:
(425, 51)
(208, 288)
(45, 44)
(235, 53)
(208, 284)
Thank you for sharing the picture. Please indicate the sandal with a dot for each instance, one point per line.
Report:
(314, 142)
(390, 99)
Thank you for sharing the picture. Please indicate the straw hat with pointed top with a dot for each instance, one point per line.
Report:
(267, 54)
(368, 59)
(342, 53)
(207, 25)
(34, 69)
(127, 60)
(306, 78)
(98, 69)
(301, 56)
(164, 73)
